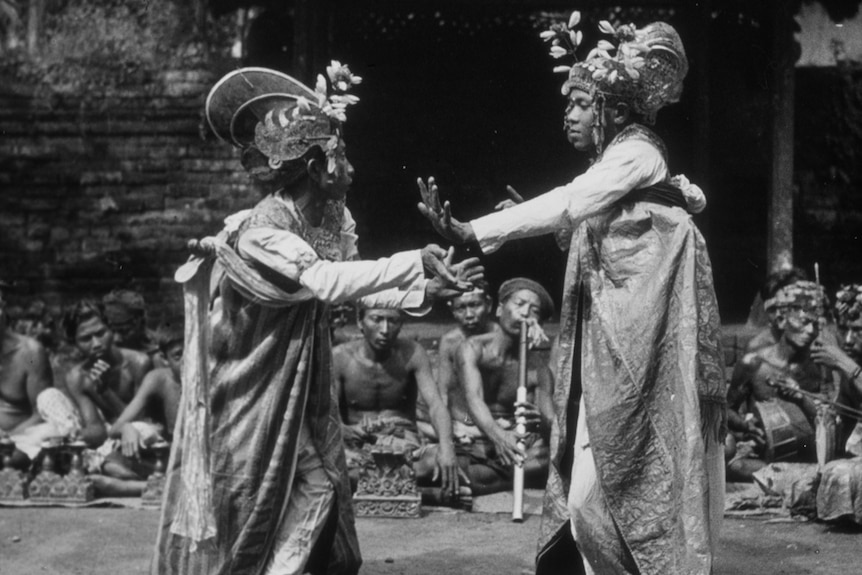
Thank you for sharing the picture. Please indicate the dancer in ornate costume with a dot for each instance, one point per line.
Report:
(636, 476)
(257, 482)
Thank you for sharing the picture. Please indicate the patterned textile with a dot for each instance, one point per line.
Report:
(266, 373)
(839, 495)
(639, 337)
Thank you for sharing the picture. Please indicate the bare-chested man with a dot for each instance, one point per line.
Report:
(488, 367)
(148, 419)
(770, 375)
(104, 382)
(378, 378)
(25, 372)
(472, 312)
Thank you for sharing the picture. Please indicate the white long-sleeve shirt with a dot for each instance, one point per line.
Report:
(625, 166)
(396, 281)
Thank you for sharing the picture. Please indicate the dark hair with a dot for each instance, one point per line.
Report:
(82, 311)
(169, 337)
(780, 279)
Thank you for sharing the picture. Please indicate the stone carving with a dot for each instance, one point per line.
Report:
(13, 483)
(389, 488)
(49, 486)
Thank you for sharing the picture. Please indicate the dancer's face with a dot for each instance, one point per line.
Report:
(580, 117)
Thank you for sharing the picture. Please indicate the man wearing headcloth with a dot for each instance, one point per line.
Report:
(488, 369)
(636, 475)
(839, 495)
(765, 381)
(256, 482)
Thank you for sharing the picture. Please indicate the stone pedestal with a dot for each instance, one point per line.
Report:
(389, 488)
(152, 495)
(51, 487)
(13, 483)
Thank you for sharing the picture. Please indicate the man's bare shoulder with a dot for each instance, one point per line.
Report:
(452, 338)
(134, 357)
(347, 349)
(22, 345)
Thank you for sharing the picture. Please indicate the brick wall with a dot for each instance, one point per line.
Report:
(105, 193)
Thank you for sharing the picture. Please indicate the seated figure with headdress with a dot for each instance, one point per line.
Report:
(778, 394)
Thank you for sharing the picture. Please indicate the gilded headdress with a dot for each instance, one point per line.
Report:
(644, 69)
(279, 115)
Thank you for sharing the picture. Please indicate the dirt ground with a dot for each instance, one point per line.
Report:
(56, 541)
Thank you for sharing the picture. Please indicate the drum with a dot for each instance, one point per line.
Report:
(789, 436)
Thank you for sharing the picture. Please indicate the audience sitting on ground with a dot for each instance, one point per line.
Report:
(25, 373)
(488, 371)
(107, 376)
(149, 419)
(783, 376)
(840, 488)
(472, 312)
(377, 379)
(126, 315)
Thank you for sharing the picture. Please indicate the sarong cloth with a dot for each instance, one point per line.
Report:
(257, 370)
(639, 338)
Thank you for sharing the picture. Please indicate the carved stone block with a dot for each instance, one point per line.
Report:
(13, 483)
(50, 487)
(389, 488)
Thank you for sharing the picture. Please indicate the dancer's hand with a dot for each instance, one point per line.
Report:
(440, 216)
(513, 200)
(463, 276)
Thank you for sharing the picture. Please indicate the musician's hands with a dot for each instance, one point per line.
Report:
(440, 216)
(131, 441)
(506, 444)
(448, 471)
(831, 355)
(536, 336)
(787, 388)
(533, 420)
(513, 200)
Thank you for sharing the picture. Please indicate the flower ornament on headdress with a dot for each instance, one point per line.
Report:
(805, 296)
(644, 68)
(848, 303)
(280, 116)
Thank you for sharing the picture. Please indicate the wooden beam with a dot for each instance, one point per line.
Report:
(780, 213)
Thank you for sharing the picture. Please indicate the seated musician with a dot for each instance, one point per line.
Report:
(840, 487)
(148, 419)
(781, 376)
(488, 370)
(378, 378)
(472, 313)
(25, 373)
(770, 334)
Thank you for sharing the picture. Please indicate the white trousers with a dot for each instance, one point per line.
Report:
(311, 498)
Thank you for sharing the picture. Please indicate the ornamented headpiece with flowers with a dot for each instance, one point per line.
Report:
(848, 303)
(645, 69)
(279, 115)
(806, 296)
